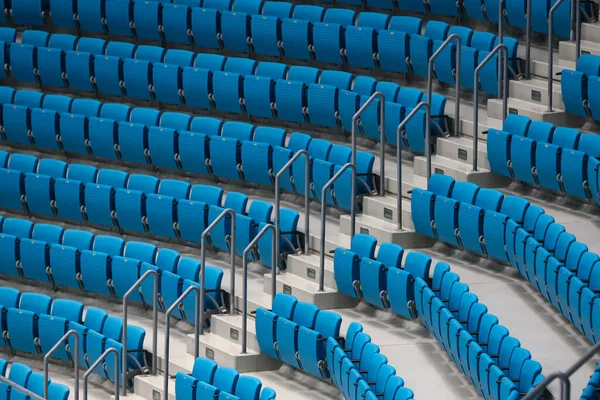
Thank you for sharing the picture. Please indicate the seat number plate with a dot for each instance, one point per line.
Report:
(536, 95)
(155, 395)
(462, 154)
(438, 171)
(311, 273)
(513, 111)
(234, 334)
(364, 231)
(210, 354)
(287, 289)
(388, 213)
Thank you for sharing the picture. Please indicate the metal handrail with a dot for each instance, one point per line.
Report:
(500, 47)
(20, 388)
(502, 8)
(249, 248)
(52, 351)
(528, 40)
(323, 216)
(200, 301)
(577, 27)
(197, 323)
(399, 158)
(131, 290)
(446, 42)
(563, 376)
(355, 117)
(551, 53)
(287, 166)
(95, 365)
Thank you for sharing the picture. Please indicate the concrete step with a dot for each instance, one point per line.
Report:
(537, 112)
(385, 208)
(590, 32)
(229, 354)
(409, 179)
(535, 90)
(333, 240)
(308, 266)
(461, 149)
(386, 231)
(459, 171)
(229, 327)
(151, 387)
(567, 49)
(308, 291)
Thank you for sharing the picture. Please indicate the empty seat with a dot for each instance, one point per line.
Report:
(176, 23)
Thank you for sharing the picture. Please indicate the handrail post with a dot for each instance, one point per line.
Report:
(446, 42)
(502, 7)
(551, 53)
(175, 305)
(528, 41)
(95, 365)
(399, 157)
(324, 220)
(248, 248)
(578, 27)
(498, 48)
(287, 166)
(355, 117)
(52, 351)
(200, 300)
(131, 290)
(20, 388)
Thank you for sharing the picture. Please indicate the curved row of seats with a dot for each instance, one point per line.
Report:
(486, 10)
(382, 281)
(551, 259)
(378, 381)
(238, 86)
(580, 87)
(172, 140)
(209, 380)
(299, 334)
(102, 264)
(555, 158)
(35, 323)
(590, 392)
(170, 208)
(377, 41)
(494, 361)
(24, 376)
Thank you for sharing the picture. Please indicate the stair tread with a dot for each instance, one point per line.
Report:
(226, 346)
(301, 283)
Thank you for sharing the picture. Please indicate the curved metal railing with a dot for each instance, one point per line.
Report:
(399, 158)
(131, 290)
(503, 83)
(91, 369)
(227, 212)
(249, 248)
(288, 165)
(323, 216)
(76, 362)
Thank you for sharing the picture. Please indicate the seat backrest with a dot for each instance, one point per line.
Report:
(260, 211)
(87, 107)
(436, 30)
(142, 251)
(541, 132)
(305, 314)
(410, 25)
(94, 46)
(113, 328)
(120, 49)
(517, 124)
(226, 379)
(183, 58)
(589, 64)
(567, 138)
(204, 370)
(284, 305)
(589, 143)
(111, 245)
(112, 177)
(248, 387)
(364, 245)
(79, 239)
(271, 135)
(35, 38)
(515, 207)
(319, 149)
(23, 162)
(82, 173)
(373, 20)
(279, 9)
(175, 188)
(303, 74)
(207, 125)
(272, 70)
(71, 310)
(9, 297)
(150, 53)
(212, 195)
(48, 233)
(188, 268)
(20, 373)
(299, 141)
(390, 255)
(465, 192)
(418, 264)
(95, 318)
(58, 103)
(236, 201)
(143, 183)
(309, 13)
(328, 323)
(341, 16)
(36, 302)
(20, 228)
(441, 185)
(489, 199)
(53, 168)
(238, 130)
(167, 259)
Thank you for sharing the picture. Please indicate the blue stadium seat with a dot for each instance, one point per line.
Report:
(22, 330)
(147, 19)
(24, 62)
(235, 30)
(228, 91)
(137, 75)
(296, 38)
(421, 49)
(423, 206)
(119, 17)
(109, 75)
(205, 25)
(266, 35)
(80, 70)
(52, 69)
(95, 271)
(177, 23)
(494, 226)
(574, 173)
(393, 50)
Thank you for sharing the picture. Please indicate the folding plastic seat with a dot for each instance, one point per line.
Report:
(163, 147)
(304, 74)
(193, 219)
(360, 46)
(297, 38)
(147, 17)
(161, 214)
(24, 62)
(289, 240)
(80, 70)
(137, 75)
(393, 50)
(29, 12)
(221, 161)
(133, 142)
(421, 49)
(119, 17)
(186, 385)
(423, 208)
(22, 330)
(500, 159)
(226, 379)
(228, 91)
(52, 70)
(540, 131)
(470, 225)
(259, 96)
(235, 30)
(177, 23)
(109, 75)
(436, 30)
(167, 80)
(95, 271)
(575, 86)
(322, 105)
(45, 128)
(291, 100)
(205, 26)
(574, 173)
(266, 35)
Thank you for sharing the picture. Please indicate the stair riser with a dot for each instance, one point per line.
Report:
(148, 390)
(300, 266)
(408, 239)
(458, 151)
(522, 90)
(232, 332)
(387, 212)
(539, 113)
